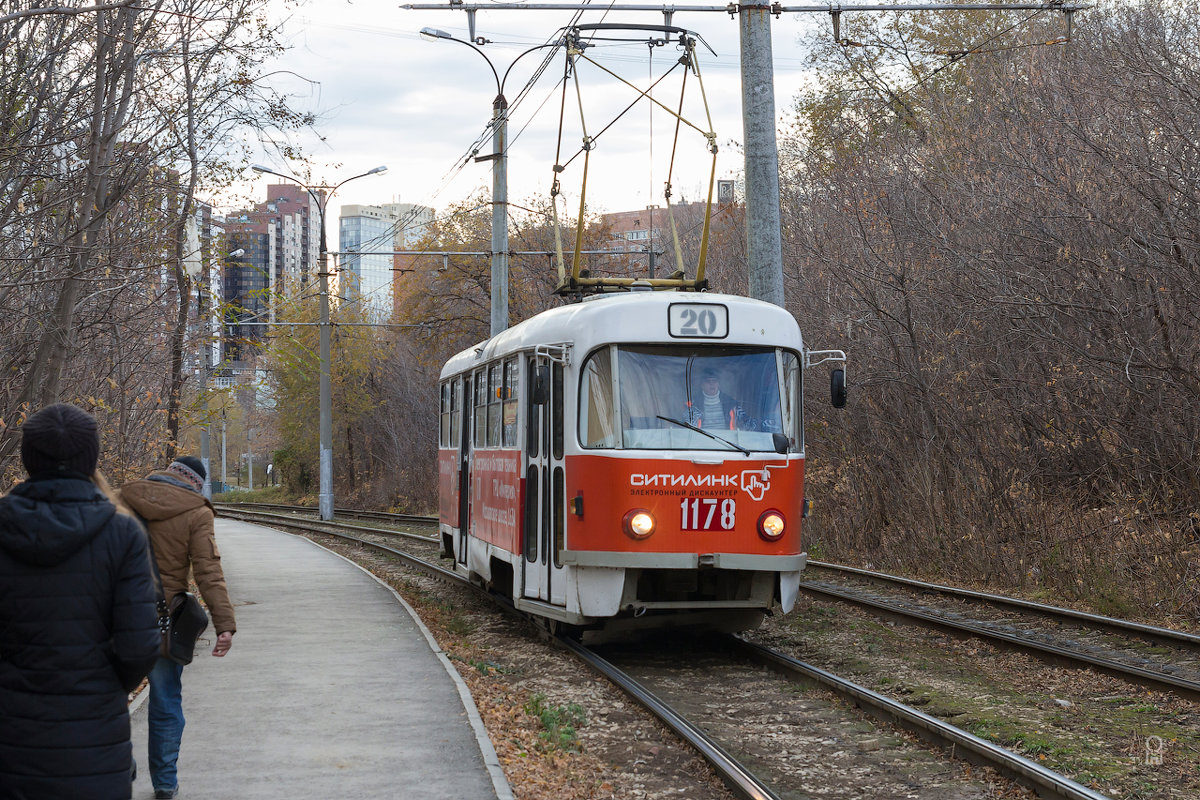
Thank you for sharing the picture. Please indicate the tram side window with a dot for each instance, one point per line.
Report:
(512, 396)
(495, 392)
(597, 412)
(533, 430)
(793, 407)
(455, 412)
(481, 398)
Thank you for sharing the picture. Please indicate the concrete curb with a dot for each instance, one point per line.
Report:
(490, 759)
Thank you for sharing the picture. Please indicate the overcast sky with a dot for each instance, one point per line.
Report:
(388, 96)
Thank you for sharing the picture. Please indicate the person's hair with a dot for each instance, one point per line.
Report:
(106, 488)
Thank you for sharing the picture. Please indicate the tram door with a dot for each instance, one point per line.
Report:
(464, 468)
(545, 487)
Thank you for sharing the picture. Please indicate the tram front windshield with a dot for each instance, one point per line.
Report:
(672, 397)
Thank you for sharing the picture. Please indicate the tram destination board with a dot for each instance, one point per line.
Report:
(697, 321)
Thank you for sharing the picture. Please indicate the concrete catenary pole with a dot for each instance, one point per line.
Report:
(499, 214)
(764, 245)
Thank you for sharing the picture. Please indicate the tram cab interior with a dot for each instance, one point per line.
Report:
(679, 397)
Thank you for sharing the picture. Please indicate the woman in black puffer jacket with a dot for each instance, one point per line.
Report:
(78, 626)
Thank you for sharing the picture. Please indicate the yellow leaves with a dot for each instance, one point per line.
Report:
(98, 404)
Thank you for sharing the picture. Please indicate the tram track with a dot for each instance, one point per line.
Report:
(1171, 663)
(731, 659)
(742, 780)
(1149, 656)
(345, 513)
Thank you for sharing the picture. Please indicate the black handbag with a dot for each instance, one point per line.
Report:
(186, 621)
(181, 622)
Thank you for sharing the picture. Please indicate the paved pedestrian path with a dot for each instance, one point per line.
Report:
(333, 689)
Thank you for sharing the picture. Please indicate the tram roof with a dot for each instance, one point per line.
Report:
(632, 317)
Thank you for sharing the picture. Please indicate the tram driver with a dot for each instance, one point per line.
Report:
(714, 409)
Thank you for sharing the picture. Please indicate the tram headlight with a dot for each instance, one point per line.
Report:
(771, 525)
(638, 523)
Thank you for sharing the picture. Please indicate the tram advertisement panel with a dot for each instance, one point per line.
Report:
(448, 487)
(495, 496)
(710, 509)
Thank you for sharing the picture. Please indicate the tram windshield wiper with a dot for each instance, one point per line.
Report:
(691, 427)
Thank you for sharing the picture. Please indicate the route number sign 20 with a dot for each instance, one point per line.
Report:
(697, 321)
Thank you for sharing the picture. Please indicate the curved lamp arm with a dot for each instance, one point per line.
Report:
(434, 33)
(309, 189)
(518, 58)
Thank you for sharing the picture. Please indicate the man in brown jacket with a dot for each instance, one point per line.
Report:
(180, 523)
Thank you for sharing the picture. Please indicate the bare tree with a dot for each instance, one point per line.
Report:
(1002, 234)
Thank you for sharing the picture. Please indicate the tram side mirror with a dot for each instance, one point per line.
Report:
(541, 385)
(781, 443)
(837, 388)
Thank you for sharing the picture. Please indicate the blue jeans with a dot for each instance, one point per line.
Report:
(165, 718)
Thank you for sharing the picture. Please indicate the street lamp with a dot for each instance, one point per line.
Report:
(206, 376)
(499, 159)
(321, 198)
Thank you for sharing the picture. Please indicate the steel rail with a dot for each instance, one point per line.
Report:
(1045, 782)
(1153, 633)
(1145, 677)
(358, 513)
(736, 776)
(355, 513)
(732, 772)
(320, 527)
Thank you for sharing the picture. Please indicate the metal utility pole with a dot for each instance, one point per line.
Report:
(321, 193)
(499, 159)
(206, 376)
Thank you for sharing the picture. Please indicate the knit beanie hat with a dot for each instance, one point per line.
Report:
(190, 470)
(60, 439)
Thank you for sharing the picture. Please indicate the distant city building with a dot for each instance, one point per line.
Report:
(644, 230)
(297, 222)
(205, 234)
(368, 237)
(281, 240)
(648, 232)
(245, 285)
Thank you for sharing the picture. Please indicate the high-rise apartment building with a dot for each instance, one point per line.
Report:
(281, 242)
(245, 287)
(207, 249)
(368, 236)
(297, 221)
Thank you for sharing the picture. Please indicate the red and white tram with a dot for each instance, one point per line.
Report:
(633, 458)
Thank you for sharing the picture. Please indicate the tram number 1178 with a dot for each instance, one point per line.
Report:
(707, 514)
